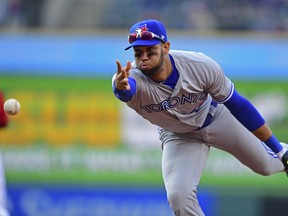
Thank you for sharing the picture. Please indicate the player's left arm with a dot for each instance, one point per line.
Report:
(3, 116)
(248, 115)
(222, 90)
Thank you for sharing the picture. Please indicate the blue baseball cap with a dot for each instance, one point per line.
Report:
(148, 26)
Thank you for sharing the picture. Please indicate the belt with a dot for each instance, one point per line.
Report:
(210, 115)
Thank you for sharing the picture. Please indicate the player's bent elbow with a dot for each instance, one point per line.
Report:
(264, 171)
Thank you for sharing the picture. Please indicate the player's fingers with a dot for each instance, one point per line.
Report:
(123, 84)
(119, 67)
(122, 72)
(128, 66)
(121, 80)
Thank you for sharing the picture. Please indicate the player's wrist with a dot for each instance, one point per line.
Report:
(125, 95)
(281, 153)
(274, 144)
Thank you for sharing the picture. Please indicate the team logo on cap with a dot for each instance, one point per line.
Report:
(140, 30)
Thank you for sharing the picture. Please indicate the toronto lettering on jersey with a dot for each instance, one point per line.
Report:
(175, 101)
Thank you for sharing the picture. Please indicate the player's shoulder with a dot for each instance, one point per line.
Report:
(182, 55)
(187, 57)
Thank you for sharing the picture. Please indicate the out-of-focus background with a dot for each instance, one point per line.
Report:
(75, 150)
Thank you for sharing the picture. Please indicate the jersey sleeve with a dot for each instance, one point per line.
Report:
(218, 85)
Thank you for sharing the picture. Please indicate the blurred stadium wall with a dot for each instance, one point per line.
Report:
(75, 150)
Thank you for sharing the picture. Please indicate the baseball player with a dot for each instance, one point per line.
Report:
(3, 190)
(195, 106)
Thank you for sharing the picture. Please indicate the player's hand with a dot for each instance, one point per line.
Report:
(122, 74)
(285, 162)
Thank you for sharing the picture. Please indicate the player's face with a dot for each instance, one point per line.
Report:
(149, 59)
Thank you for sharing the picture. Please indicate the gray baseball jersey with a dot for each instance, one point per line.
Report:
(185, 107)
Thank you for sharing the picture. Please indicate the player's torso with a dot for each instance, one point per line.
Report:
(183, 108)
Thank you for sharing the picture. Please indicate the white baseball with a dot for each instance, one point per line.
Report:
(12, 106)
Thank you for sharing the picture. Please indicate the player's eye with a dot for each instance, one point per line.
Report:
(151, 51)
(137, 54)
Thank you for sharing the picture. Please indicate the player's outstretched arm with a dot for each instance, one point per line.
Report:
(124, 86)
(248, 116)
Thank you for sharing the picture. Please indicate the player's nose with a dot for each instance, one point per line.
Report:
(144, 56)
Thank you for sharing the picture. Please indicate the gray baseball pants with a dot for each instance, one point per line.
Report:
(185, 155)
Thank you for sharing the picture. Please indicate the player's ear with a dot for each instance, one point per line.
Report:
(166, 47)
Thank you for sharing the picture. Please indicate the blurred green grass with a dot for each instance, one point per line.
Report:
(104, 84)
(9, 83)
(251, 89)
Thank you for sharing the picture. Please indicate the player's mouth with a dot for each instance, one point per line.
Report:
(144, 66)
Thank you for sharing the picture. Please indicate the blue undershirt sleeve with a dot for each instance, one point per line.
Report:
(244, 111)
(126, 95)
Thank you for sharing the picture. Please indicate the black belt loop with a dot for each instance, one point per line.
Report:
(210, 114)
